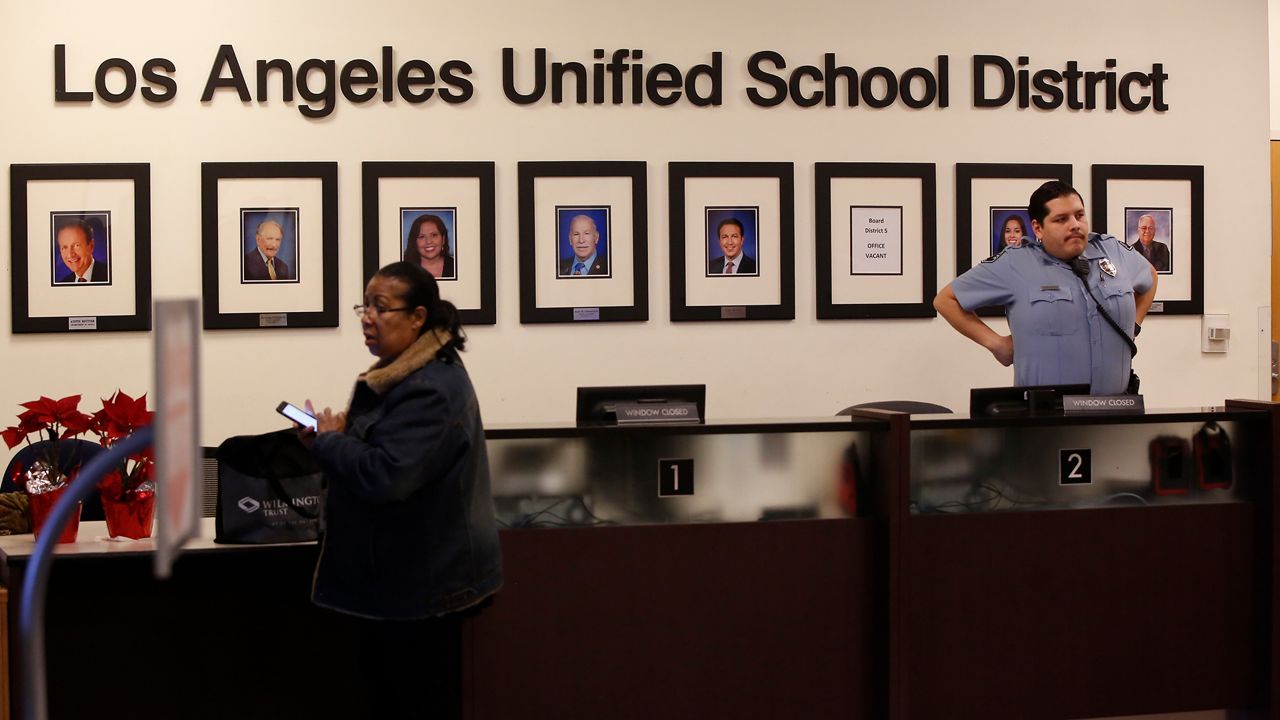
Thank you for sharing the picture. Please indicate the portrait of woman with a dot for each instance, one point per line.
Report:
(1010, 227)
(1013, 232)
(427, 245)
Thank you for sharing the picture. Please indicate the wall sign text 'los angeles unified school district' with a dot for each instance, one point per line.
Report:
(620, 77)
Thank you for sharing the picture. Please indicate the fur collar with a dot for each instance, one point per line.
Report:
(415, 357)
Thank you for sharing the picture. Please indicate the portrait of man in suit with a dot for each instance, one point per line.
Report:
(731, 242)
(83, 259)
(583, 250)
(274, 245)
(1149, 231)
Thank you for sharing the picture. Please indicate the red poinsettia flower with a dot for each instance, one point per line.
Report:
(13, 436)
(47, 419)
(48, 412)
(120, 417)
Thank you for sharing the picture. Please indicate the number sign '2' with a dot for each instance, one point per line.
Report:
(1075, 467)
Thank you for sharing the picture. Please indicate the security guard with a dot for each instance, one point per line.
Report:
(1060, 335)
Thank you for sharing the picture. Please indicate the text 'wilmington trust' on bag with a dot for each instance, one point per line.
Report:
(270, 490)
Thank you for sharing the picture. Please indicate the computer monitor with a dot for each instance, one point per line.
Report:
(1022, 401)
(596, 405)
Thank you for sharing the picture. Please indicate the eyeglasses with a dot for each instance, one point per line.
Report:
(377, 310)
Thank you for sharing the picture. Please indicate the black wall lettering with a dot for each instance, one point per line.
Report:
(1126, 91)
(285, 69)
(159, 88)
(130, 80)
(1158, 76)
(656, 83)
(226, 58)
(60, 93)
(359, 73)
(926, 80)
(558, 73)
(322, 83)
(831, 73)
(713, 73)
(327, 95)
(757, 72)
(509, 77)
(1049, 95)
(454, 74)
(414, 74)
(797, 91)
(980, 95)
(890, 83)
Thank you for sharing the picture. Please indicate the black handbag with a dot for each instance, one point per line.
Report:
(270, 490)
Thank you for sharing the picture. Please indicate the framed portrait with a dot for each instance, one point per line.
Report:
(876, 240)
(438, 214)
(80, 248)
(269, 244)
(583, 242)
(733, 235)
(1159, 211)
(732, 238)
(1150, 231)
(270, 238)
(429, 239)
(1010, 227)
(991, 209)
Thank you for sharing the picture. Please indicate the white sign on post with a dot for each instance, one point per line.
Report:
(875, 240)
(177, 426)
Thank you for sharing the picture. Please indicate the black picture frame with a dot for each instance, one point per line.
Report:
(20, 178)
(966, 173)
(373, 251)
(536, 230)
(1193, 175)
(824, 174)
(679, 175)
(210, 175)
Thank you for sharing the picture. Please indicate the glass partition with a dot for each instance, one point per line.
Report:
(1040, 466)
(611, 476)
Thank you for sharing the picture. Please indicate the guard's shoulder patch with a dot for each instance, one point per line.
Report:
(1101, 239)
(996, 257)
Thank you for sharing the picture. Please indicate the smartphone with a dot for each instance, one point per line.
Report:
(297, 414)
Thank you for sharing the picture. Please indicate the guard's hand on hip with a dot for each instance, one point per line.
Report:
(1002, 349)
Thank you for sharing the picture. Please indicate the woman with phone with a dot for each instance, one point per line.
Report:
(410, 540)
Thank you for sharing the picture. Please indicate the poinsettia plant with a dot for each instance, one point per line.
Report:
(120, 417)
(48, 420)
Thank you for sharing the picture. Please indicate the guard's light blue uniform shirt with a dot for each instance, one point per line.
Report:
(1059, 337)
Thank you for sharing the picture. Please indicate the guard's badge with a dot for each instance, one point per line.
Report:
(1107, 267)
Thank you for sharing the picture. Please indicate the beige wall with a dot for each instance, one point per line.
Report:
(1212, 52)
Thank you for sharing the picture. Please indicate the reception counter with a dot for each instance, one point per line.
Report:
(967, 582)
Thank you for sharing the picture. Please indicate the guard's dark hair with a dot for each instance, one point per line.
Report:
(731, 221)
(79, 223)
(1038, 206)
(411, 253)
(423, 291)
